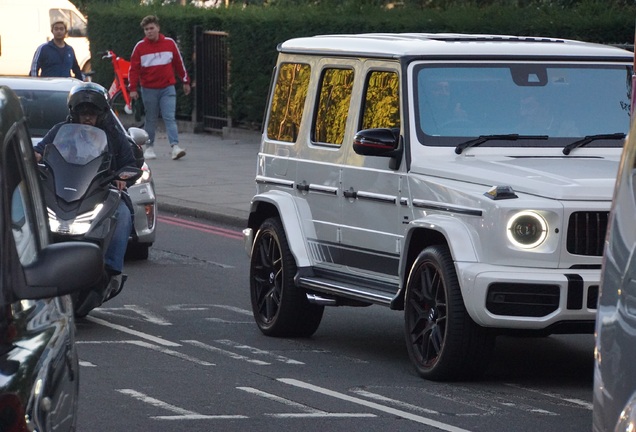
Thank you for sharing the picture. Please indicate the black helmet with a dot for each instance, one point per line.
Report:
(91, 94)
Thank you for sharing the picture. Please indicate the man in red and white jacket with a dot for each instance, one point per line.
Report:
(153, 64)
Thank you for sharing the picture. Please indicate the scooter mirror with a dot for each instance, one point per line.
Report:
(139, 136)
(128, 173)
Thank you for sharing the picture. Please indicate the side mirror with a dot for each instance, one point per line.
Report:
(128, 173)
(379, 142)
(60, 269)
(139, 136)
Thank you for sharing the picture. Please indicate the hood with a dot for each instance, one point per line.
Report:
(563, 178)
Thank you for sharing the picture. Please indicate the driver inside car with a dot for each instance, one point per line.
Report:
(88, 104)
(445, 110)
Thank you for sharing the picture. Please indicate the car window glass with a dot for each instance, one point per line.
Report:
(557, 100)
(23, 224)
(76, 25)
(332, 111)
(43, 109)
(288, 101)
(381, 101)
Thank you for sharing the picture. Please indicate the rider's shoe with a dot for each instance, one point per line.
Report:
(150, 153)
(116, 285)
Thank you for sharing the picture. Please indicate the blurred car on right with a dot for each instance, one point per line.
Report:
(615, 352)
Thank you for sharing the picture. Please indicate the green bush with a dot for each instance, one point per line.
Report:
(256, 30)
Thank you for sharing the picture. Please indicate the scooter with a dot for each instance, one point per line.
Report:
(81, 199)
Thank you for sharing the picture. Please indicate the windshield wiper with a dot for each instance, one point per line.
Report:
(588, 139)
(483, 138)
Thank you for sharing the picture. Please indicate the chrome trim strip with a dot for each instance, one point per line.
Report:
(323, 189)
(376, 197)
(274, 181)
(446, 208)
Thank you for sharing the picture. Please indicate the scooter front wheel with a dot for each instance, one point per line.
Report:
(129, 117)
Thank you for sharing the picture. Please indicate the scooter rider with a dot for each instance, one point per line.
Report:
(88, 104)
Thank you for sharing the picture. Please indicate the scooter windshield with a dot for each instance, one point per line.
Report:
(79, 144)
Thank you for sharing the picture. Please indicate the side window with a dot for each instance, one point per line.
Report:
(288, 101)
(333, 106)
(24, 225)
(381, 101)
(75, 23)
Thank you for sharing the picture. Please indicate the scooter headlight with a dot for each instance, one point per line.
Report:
(79, 226)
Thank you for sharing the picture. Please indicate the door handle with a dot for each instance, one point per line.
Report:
(303, 187)
(350, 193)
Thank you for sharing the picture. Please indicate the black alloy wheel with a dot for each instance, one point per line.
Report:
(443, 342)
(279, 307)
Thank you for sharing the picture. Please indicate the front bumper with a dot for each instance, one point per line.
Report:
(528, 298)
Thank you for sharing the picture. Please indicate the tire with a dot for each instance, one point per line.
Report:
(443, 342)
(118, 104)
(137, 251)
(280, 308)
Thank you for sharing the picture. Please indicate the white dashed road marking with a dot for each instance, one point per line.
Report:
(180, 413)
(308, 411)
(373, 405)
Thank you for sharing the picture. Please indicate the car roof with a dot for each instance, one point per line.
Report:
(33, 83)
(449, 45)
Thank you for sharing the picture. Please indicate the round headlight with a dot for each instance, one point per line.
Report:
(527, 229)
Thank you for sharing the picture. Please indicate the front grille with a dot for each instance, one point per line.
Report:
(586, 233)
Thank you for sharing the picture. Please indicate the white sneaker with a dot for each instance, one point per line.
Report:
(150, 153)
(177, 152)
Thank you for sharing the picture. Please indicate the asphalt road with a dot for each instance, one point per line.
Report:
(178, 351)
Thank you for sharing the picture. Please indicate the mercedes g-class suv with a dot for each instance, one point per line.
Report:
(464, 179)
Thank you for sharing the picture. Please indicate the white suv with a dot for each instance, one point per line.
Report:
(464, 179)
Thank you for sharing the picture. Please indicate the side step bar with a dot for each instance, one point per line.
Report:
(342, 289)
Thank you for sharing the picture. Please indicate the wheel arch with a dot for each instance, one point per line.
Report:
(266, 206)
(436, 230)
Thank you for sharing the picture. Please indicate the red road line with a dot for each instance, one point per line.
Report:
(237, 235)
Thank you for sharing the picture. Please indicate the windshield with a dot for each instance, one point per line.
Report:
(43, 109)
(454, 103)
(79, 144)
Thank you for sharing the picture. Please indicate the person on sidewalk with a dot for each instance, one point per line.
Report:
(56, 58)
(153, 64)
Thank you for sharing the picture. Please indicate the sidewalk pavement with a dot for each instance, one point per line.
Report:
(214, 180)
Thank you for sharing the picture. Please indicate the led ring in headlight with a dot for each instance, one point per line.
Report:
(527, 229)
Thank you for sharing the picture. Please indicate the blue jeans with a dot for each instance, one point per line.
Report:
(165, 101)
(114, 257)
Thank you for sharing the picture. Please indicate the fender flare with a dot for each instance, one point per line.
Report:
(289, 213)
(462, 247)
(457, 234)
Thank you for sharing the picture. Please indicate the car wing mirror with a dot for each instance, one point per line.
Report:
(382, 142)
(60, 269)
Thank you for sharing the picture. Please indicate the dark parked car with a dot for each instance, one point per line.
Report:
(39, 368)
